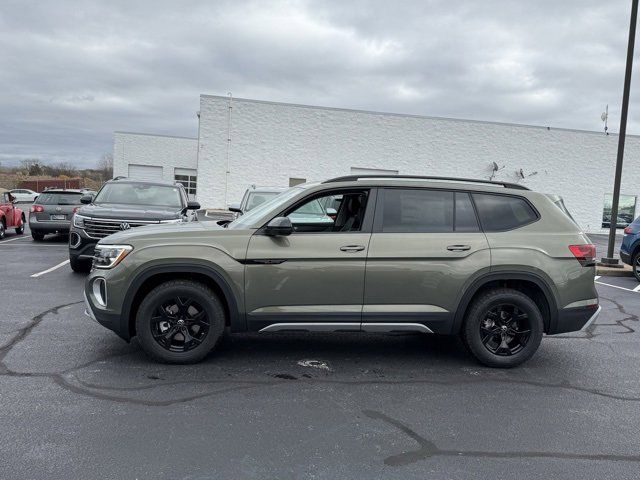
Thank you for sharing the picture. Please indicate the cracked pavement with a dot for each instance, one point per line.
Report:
(78, 402)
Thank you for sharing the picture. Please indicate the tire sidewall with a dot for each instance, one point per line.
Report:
(2, 229)
(634, 266)
(477, 314)
(204, 297)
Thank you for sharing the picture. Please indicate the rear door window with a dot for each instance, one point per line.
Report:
(417, 211)
(503, 212)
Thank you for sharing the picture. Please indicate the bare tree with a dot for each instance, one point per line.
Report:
(105, 166)
(33, 166)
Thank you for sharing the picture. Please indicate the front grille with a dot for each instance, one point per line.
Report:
(100, 227)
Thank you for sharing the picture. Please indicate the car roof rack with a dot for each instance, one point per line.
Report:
(120, 177)
(352, 178)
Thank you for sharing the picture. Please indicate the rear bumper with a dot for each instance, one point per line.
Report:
(576, 319)
(625, 257)
(48, 226)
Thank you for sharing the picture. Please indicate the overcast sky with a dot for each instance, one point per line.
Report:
(71, 73)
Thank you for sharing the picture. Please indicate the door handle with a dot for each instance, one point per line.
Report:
(352, 248)
(458, 248)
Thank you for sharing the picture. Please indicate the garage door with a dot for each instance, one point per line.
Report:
(145, 172)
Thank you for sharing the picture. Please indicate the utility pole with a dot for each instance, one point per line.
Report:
(609, 259)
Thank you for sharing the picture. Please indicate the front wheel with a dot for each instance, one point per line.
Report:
(635, 266)
(503, 328)
(2, 229)
(180, 321)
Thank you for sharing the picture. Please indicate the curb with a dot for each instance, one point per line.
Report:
(614, 272)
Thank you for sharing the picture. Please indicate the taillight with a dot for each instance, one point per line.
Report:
(585, 254)
(75, 209)
(628, 231)
(37, 208)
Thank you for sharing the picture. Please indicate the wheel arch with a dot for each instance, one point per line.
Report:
(533, 285)
(148, 279)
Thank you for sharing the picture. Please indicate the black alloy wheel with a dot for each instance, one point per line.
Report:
(179, 324)
(505, 330)
(635, 266)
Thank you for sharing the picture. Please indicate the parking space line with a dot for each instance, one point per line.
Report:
(14, 239)
(635, 290)
(36, 275)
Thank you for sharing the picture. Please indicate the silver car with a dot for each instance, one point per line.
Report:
(52, 212)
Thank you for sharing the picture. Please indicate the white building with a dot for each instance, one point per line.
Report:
(243, 142)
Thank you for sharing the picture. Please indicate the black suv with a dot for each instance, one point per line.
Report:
(122, 204)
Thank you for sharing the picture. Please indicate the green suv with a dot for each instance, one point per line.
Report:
(493, 262)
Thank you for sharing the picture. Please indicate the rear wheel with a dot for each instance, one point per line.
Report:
(20, 229)
(79, 266)
(38, 237)
(180, 321)
(503, 328)
(635, 265)
(3, 230)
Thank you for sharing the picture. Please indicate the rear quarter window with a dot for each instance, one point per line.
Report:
(503, 212)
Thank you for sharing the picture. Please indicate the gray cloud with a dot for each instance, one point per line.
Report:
(73, 72)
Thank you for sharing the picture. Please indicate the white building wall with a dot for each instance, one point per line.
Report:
(271, 142)
(155, 150)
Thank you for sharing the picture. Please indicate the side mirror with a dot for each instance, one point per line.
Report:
(235, 207)
(279, 226)
(86, 199)
(192, 205)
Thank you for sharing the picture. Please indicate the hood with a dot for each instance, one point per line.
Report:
(163, 232)
(129, 212)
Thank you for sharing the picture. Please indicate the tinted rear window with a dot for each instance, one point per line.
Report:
(66, 198)
(501, 212)
(417, 211)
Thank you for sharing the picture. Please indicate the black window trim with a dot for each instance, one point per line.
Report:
(379, 209)
(369, 213)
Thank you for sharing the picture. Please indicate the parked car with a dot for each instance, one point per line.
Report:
(52, 212)
(122, 204)
(488, 261)
(10, 215)
(630, 247)
(253, 197)
(24, 195)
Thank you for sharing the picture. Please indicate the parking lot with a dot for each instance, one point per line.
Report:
(76, 401)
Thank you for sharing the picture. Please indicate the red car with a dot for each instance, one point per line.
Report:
(10, 216)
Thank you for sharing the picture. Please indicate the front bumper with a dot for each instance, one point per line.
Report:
(80, 245)
(105, 317)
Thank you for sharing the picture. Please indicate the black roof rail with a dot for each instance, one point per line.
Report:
(352, 178)
(120, 177)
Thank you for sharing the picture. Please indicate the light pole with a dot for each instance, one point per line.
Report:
(609, 259)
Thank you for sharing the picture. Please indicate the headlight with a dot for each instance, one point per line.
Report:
(108, 256)
(175, 220)
(78, 221)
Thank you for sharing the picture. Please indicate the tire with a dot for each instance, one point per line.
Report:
(20, 229)
(492, 336)
(158, 327)
(3, 229)
(79, 266)
(635, 265)
(38, 237)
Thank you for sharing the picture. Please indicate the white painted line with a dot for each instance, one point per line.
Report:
(637, 289)
(14, 239)
(36, 275)
(615, 286)
(596, 277)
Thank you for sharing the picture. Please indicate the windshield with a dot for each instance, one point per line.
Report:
(66, 198)
(258, 198)
(140, 194)
(245, 221)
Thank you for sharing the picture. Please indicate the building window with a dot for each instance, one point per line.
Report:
(296, 181)
(188, 179)
(626, 210)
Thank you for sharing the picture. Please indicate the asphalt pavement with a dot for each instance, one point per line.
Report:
(78, 402)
